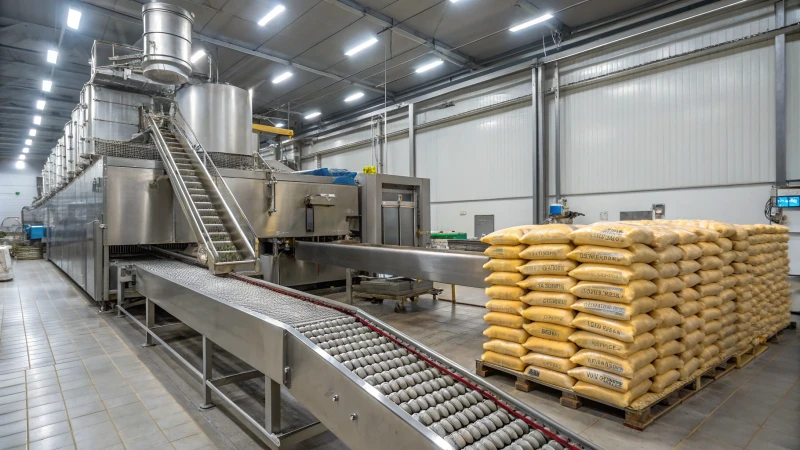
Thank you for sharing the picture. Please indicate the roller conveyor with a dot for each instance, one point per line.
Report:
(370, 385)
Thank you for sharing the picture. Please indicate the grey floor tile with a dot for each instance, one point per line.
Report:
(62, 441)
(96, 437)
(82, 400)
(120, 401)
(125, 410)
(13, 440)
(767, 439)
(45, 399)
(138, 429)
(146, 441)
(48, 431)
(181, 431)
(12, 417)
(89, 419)
(47, 419)
(173, 420)
(82, 410)
(52, 389)
(46, 409)
(19, 426)
(194, 442)
(728, 430)
(166, 410)
(132, 419)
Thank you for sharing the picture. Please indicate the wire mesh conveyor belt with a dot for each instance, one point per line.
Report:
(460, 408)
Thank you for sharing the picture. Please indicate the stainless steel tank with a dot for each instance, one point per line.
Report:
(69, 150)
(167, 41)
(220, 115)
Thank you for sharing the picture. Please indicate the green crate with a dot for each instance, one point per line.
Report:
(451, 235)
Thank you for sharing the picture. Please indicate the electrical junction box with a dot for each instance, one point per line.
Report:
(556, 209)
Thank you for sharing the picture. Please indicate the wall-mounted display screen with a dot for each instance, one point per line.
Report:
(788, 202)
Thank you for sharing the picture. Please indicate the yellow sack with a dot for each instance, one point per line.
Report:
(660, 382)
(692, 323)
(711, 327)
(669, 348)
(549, 315)
(505, 320)
(507, 236)
(616, 256)
(727, 257)
(740, 246)
(610, 380)
(688, 294)
(709, 248)
(552, 348)
(691, 353)
(550, 331)
(614, 293)
(663, 237)
(709, 262)
(612, 397)
(739, 268)
(615, 364)
(710, 301)
(548, 362)
(510, 362)
(710, 339)
(727, 307)
(666, 317)
(709, 276)
(666, 270)
(614, 274)
(709, 314)
(666, 364)
(727, 270)
(504, 292)
(605, 344)
(504, 251)
(709, 353)
(561, 300)
(546, 251)
(730, 318)
(619, 311)
(556, 233)
(664, 285)
(506, 334)
(691, 279)
(504, 278)
(505, 348)
(687, 309)
(667, 300)
(692, 339)
(669, 254)
(503, 265)
(728, 282)
(725, 244)
(506, 306)
(547, 267)
(689, 368)
(708, 289)
(612, 234)
(687, 267)
(666, 334)
(548, 283)
(690, 252)
(550, 377)
(624, 330)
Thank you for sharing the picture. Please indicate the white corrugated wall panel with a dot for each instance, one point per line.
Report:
(353, 159)
(479, 157)
(792, 11)
(507, 213)
(793, 109)
(707, 121)
(492, 93)
(397, 157)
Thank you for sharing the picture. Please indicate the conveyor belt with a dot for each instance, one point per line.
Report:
(424, 390)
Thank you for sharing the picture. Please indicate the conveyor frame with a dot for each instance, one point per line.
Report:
(355, 411)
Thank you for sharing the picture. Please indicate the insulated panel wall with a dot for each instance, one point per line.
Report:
(793, 108)
(460, 216)
(705, 122)
(14, 180)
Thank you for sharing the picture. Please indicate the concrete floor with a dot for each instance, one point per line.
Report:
(72, 378)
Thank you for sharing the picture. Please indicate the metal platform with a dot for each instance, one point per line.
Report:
(362, 379)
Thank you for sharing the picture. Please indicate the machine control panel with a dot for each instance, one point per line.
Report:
(786, 196)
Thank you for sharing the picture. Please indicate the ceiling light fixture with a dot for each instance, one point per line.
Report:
(47, 85)
(354, 97)
(312, 115)
(25, 150)
(20, 164)
(453, 1)
(430, 66)
(360, 47)
(22, 157)
(52, 56)
(32, 132)
(271, 15)
(282, 77)
(37, 120)
(28, 142)
(280, 125)
(40, 104)
(531, 23)
(73, 19)
(197, 55)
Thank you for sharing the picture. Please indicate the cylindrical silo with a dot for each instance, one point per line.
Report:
(167, 41)
(220, 115)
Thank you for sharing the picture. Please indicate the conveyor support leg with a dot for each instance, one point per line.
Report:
(348, 276)
(208, 357)
(272, 405)
(150, 321)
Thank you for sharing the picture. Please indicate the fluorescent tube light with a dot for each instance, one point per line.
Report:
(282, 77)
(52, 56)
(430, 66)
(360, 47)
(312, 115)
(73, 19)
(354, 97)
(47, 85)
(271, 15)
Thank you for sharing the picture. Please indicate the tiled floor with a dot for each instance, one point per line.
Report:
(68, 381)
(69, 377)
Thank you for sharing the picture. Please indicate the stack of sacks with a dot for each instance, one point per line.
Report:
(505, 308)
(744, 296)
(548, 303)
(613, 305)
(782, 289)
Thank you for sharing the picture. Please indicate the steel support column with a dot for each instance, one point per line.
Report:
(557, 118)
(208, 358)
(272, 405)
(149, 321)
(541, 178)
(535, 147)
(412, 144)
(780, 96)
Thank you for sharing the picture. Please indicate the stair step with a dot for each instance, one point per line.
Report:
(203, 206)
(215, 228)
(195, 191)
(228, 255)
(192, 180)
(188, 173)
(184, 165)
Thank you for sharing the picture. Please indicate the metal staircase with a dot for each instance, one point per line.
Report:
(223, 244)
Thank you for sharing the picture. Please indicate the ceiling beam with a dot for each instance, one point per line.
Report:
(438, 48)
(238, 48)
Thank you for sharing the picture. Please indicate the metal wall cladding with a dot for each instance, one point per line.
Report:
(708, 121)
(220, 116)
(112, 114)
(792, 109)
